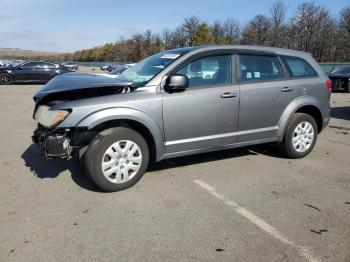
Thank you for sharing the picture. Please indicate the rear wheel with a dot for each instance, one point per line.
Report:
(117, 158)
(300, 136)
(347, 89)
(5, 79)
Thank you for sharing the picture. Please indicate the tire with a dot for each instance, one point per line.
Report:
(112, 167)
(6, 79)
(296, 133)
(347, 89)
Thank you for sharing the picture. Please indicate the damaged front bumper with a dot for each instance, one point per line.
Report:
(52, 144)
(63, 143)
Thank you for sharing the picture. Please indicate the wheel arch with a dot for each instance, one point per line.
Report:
(135, 125)
(8, 73)
(132, 118)
(307, 105)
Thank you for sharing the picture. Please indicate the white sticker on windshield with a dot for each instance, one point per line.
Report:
(256, 74)
(249, 75)
(170, 56)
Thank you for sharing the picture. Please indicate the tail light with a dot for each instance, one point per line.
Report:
(329, 85)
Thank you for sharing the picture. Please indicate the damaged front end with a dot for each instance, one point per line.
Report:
(66, 142)
(54, 144)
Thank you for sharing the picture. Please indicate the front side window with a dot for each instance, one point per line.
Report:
(208, 71)
(145, 70)
(298, 67)
(29, 65)
(259, 68)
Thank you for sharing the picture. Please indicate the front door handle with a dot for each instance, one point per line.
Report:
(287, 89)
(228, 95)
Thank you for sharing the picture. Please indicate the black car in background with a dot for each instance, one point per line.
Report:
(34, 71)
(340, 78)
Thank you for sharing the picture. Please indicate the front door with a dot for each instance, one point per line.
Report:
(204, 115)
(27, 71)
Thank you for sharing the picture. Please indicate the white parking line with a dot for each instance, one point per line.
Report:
(303, 251)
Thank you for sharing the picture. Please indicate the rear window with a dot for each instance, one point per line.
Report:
(298, 67)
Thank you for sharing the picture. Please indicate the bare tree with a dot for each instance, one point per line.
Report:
(342, 41)
(313, 29)
(232, 32)
(345, 19)
(278, 35)
(190, 27)
(217, 32)
(257, 31)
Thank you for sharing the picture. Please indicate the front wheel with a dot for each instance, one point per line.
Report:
(5, 79)
(300, 136)
(117, 158)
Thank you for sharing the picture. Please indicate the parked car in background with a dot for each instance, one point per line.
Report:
(340, 78)
(108, 68)
(6, 63)
(34, 71)
(165, 106)
(117, 71)
(72, 66)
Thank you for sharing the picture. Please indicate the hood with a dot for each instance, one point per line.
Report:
(78, 81)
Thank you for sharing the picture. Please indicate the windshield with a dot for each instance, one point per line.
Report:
(341, 70)
(144, 71)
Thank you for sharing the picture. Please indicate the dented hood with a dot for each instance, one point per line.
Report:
(78, 81)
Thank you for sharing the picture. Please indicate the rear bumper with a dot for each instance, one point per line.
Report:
(340, 83)
(52, 145)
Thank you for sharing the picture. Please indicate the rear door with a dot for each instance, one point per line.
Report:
(45, 71)
(265, 94)
(204, 115)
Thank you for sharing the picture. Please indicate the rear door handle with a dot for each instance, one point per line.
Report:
(228, 95)
(287, 89)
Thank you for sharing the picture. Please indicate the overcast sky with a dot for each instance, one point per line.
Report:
(70, 25)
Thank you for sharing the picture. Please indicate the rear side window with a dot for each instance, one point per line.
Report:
(298, 67)
(45, 65)
(260, 68)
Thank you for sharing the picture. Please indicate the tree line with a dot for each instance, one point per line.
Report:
(312, 28)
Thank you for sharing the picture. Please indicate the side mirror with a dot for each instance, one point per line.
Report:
(176, 83)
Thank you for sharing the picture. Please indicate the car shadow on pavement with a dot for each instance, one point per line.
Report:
(43, 168)
(342, 112)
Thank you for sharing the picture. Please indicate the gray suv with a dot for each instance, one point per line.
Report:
(182, 102)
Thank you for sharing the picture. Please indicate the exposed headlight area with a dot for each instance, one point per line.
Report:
(50, 118)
